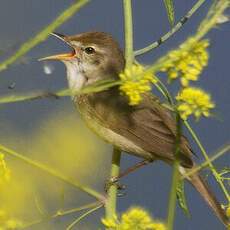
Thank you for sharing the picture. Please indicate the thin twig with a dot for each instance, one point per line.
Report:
(211, 166)
(97, 87)
(61, 213)
(53, 172)
(170, 33)
(83, 216)
(215, 156)
(41, 36)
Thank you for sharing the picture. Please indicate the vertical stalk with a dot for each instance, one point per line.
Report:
(110, 206)
(175, 177)
(127, 5)
(172, 196)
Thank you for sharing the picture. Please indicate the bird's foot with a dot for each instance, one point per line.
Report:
(134, 168)
(114, 181)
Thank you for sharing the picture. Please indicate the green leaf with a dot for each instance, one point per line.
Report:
(181, 198)
(170, 11)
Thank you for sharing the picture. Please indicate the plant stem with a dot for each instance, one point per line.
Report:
(53, 172)
(172, 196)
(211, 166)
(61, 213)
(110, 205)
(210, 21)
(83, 216)
(215, 156)
(175, 177)
(127, 5)
(41, 36)
(172, 31)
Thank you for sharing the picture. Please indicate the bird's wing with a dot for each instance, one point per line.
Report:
(149, 125)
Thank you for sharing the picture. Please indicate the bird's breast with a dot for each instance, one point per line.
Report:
(99, 125)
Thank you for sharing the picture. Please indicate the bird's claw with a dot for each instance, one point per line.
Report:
(114, 181)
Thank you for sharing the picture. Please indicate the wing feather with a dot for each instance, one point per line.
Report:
(149, 125)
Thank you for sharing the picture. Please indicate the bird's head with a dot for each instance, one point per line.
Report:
(95, 56)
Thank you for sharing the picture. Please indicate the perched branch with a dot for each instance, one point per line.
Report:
(110, 207)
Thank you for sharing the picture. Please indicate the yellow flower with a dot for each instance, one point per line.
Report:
(194, 101)
(135, 81)
(3, 215)
(135, 218)
(110, 223)
(13, 224)
(228, 211)
(7, 223)
(187, 62)
(4, 171)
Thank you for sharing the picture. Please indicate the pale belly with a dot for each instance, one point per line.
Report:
(112, 137)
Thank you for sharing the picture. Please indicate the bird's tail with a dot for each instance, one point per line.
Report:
(202, 187)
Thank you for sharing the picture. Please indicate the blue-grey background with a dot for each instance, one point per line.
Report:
(148, 187)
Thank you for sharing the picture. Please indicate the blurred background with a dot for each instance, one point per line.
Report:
(52, 132)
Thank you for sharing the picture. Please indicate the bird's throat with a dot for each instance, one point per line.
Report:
(75, 76)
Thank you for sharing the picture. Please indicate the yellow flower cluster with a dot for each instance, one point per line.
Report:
(8, 223)
(228, 211)
(134, 218)
(187, 62)
(135, 81)
(194, 101)
(4, 171)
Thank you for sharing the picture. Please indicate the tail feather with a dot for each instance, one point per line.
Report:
(202, 187)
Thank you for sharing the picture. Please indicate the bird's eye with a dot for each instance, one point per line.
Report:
(89, 50)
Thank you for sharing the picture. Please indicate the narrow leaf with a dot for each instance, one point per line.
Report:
(181, 198)
(170, 11)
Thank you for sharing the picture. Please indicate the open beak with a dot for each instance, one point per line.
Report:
(64, 56)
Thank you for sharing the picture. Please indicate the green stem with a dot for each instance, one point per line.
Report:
(52, 172)
(163, 89)
(210, 20)
(61, 213)
(175, 177)
(172, 196)
(61, 93)
(82, 217)
(41, 36)
(127, 5)
(208, 160)
(211, 166)
(172, 31)
(221, 152)
(110, 205)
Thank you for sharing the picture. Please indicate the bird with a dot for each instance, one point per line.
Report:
(146, 130)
